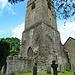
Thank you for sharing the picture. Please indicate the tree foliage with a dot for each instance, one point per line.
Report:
(64, 8)
(8, 47)
(14, 45)
(15, 1)
(4, 52)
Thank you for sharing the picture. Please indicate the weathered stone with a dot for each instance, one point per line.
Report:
(41, 34)
(18, 65)
(72, 68)
(49, 69)
(67, 66)
(62, 68)
(2, 71)
(69, 47)
(40, 39)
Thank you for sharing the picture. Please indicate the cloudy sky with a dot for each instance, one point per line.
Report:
(12, 20)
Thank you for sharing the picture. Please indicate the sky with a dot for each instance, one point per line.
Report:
(12, 21)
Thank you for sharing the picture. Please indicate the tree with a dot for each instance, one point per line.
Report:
(4, 52)
(64, 8)
(14, 45)
(8, 47)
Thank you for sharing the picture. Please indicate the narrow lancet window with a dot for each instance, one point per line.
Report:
(33, 5)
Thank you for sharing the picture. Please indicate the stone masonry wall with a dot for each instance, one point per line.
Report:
(69, 46)
(41, 12)
(40, 40)
(45, 42)
(17, 65)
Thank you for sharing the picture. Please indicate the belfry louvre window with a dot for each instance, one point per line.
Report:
(33, 5)
(49, 5)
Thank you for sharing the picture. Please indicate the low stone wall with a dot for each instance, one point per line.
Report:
(17, 65)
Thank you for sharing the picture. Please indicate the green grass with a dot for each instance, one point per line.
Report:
(66, 73)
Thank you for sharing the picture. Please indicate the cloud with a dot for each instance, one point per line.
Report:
(17, 31)
(66, 31)
(5, 5)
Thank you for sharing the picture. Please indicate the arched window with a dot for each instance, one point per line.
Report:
(30, 52)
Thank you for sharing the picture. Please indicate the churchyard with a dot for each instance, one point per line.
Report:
(66, 73)
(55, 71)
(41, 51)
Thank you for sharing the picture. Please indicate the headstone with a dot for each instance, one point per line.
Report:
(72, 68)
(35, 69)
(68, 67)
(49, 69)
(62, 68)
(74, 73)
(54, 66)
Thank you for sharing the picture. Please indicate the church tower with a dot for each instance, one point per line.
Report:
(41, 39)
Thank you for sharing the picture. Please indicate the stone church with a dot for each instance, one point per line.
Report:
(41, 41)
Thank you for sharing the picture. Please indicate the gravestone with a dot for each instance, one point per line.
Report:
(72, 68)
(54, 66)
(74, 73)
(49, 69)
(35, 69)
(67, 66)
(62, 68)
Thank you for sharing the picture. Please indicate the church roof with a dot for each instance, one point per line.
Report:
(69, 39)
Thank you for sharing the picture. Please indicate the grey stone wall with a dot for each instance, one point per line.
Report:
(40, 40)
(17, 65)
(69, 47)
(41, 12)
(41, 35)
(45, 42)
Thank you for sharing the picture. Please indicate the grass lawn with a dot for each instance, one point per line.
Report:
(66, 73)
